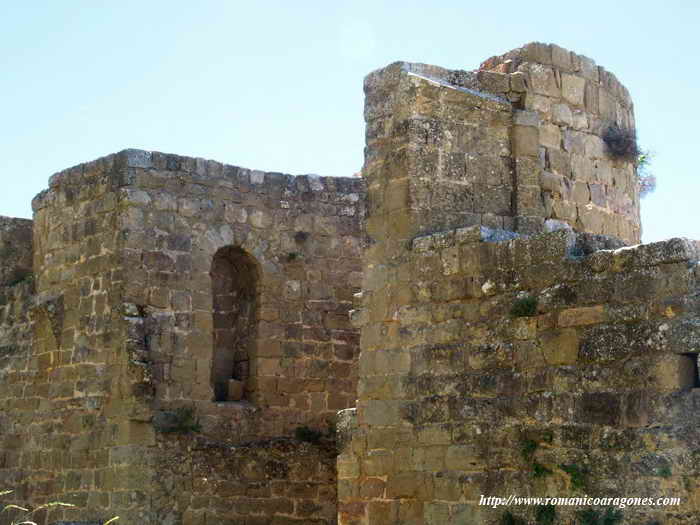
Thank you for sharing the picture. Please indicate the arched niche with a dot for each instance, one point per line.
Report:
(234, 281)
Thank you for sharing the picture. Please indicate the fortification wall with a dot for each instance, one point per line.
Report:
(151, 270)
(506, 361)
(302, 236)
(530, 367)
(16, 371)
(64, 382)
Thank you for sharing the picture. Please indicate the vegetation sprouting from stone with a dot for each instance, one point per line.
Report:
(609, 516)
(539, 470)
(545, 514)
(621, 142)
(577, 475)
(665, 471)
(509, 519)
(525, 306)
(528, 448)
(185, 421)
(24, 515)
(307, 434)
(647, 180)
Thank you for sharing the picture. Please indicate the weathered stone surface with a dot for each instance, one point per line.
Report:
(161, 280)
(560, 342)
(573, 88)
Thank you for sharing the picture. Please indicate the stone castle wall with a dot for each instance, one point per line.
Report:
(303, 235)
(66, 377)
(175, 337)
(497, 360)
(548, 366)
(109, 349)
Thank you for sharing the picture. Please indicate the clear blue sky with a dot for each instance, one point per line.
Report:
(278, 85)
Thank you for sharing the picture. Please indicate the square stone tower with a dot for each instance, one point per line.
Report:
(511, 344)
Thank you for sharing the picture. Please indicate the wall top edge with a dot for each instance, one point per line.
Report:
(130, 159)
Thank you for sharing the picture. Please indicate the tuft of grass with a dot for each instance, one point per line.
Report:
(528, 448)
(665, 471)
(525, 306)
(545, 514)
(309, 435)
(293, 256)
(25, 513)
(539, 470)
(186, 421)
(610, 516)
(577, 475)
(509, 519)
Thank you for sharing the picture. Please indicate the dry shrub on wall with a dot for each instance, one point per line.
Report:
(622, 144)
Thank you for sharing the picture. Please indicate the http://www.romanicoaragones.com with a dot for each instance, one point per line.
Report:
(618, 502)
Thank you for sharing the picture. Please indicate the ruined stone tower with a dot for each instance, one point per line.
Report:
(175, 337)
(510, 345)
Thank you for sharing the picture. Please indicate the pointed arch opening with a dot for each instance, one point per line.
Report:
(234, 279)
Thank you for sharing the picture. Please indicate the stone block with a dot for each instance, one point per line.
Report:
(550, 136)
(464, 457)
(594, 147)
(579, 120)
(591, 97)
(588, 68)
(543, 81)
(518, 82)
(526, 118)
(582, 316)
(493, 82)
(581, 194)
(599, 408)
(235, 390)
(561, 58)
(559, 162)
(527, 170)
(536, 102)
(598, 195)
(525, 141)
(561, 114)
(529, 201)
(560, 347)
(573, 89)
(676, 372)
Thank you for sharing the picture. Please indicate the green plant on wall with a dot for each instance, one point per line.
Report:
(528, 448)
(184, 421)
(539, 470)
(509, 519)
(525, 306)
(647, 180)
(307, 434)
(609, 516)
(545, 514)
(577, 475)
